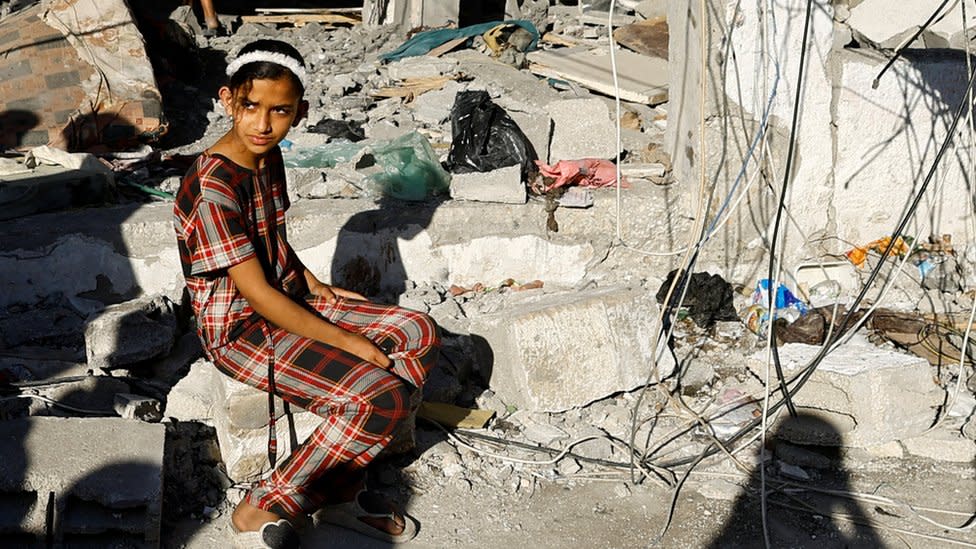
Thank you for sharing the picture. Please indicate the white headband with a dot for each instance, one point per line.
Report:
(289, 63)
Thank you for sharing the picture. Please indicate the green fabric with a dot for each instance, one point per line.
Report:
(423, 42)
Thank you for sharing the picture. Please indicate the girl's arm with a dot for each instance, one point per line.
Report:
(281, 311)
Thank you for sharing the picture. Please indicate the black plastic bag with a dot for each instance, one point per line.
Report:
(485, 137)
(708, 300)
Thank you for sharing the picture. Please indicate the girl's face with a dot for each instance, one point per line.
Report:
(262, 114)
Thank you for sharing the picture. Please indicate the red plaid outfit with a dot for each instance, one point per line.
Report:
(226, 214)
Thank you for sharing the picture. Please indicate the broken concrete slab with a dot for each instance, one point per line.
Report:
(117, 253)
(537, 128)
(58, 61)
(421, 67)
(105, 468)
(502, 185)
(875, 21)
(581, 128)
(641, 79)
(131, 332)
(942, 445)
(868, 395)
(553, 352)
(50, 188)
(191, 398)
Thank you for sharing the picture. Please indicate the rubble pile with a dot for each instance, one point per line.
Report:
(568, 358)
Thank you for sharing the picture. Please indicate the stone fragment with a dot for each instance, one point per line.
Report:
(581, 128)
(502, 185)
(421, 66)
(105, 474)
(553, 352)
(434, 107)
(131, 332)
(192, 398)
(130, 406)
(860, 395)
(537, 128)
(652, 8)
(942, 445)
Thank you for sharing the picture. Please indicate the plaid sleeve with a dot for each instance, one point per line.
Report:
(221, 238)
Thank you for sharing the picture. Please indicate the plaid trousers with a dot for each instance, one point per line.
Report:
(361, 404)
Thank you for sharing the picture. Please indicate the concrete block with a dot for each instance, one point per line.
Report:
(537, 128)
(421, 66)
(501, 185)
(581, 128)
(105, 476)
(192, 397)
(434, 107)
(131, 332)
(553, 352)
(942, 445)
(861, 395)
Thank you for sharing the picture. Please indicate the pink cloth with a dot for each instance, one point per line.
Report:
(586, 172)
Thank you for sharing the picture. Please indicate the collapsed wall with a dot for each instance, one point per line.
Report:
(861, 152)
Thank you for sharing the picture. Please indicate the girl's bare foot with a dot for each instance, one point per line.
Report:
(248, 518)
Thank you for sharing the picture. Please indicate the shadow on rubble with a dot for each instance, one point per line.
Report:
(372, 258)
(797, 517)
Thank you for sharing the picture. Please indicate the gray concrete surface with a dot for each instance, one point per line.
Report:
(103, 475)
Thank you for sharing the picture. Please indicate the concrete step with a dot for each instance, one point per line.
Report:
(84, 480)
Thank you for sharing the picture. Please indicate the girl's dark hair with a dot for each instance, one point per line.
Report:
(264, 70)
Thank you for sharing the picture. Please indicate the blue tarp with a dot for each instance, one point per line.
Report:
(423, 42)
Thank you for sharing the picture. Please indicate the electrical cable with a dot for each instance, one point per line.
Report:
(808, 370)
(59, 404)
(790, 150)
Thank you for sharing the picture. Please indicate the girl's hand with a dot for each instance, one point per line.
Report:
(324, 291)
(331, 293)
(362, 347)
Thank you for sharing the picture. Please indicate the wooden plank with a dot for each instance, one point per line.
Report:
(642, 79)
(648, 37)
(449, 415)
(280, 11)
(302, 19)
(447, 46)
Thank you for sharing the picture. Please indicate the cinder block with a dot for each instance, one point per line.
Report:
(100, 476)
(502, 185)
(865, 395)
(558, 351)
(581, 128)
(131, 332)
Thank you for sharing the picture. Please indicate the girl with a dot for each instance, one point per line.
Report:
(266, 320)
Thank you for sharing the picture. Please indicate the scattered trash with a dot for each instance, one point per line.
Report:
(735, 409)
(588, 172)
(707, 300)
(788, 306)
(339, 129)
(576, 197)
(859, 254)
(485, 137)
(411, 170)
